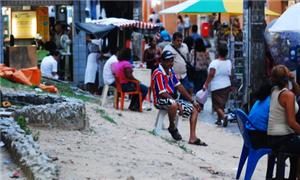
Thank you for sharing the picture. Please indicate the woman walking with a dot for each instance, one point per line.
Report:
(219, 79)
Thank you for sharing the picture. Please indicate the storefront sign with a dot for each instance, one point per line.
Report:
(24, 24)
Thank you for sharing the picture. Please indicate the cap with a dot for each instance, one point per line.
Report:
(167, 55)
(165, 35)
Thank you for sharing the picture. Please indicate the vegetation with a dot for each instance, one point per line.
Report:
(180, 145)
(23, 125)
(9, 84)
(104, 115)
(64, 88)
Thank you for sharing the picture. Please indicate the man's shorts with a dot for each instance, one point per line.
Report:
(187, 108)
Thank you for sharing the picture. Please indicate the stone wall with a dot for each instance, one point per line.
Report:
(26, 152)
(50, 111)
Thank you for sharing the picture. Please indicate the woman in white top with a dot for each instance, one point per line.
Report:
(283, 130)
(92, 63)
(219, 75)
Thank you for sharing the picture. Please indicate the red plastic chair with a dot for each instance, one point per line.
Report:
(122, 94)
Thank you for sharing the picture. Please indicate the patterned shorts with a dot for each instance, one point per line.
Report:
(166, 103)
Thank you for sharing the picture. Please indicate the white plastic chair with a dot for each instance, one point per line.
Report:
(159, 124)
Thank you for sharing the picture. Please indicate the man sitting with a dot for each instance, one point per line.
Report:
(49, 65)
(164, 92)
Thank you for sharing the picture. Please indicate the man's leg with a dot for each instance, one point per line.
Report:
(193, 123)
(172, 111)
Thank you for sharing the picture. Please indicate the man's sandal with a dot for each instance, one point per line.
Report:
(198, 142)
(175, 134)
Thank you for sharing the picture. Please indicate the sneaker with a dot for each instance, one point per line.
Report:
(175, 134)
(219, 123)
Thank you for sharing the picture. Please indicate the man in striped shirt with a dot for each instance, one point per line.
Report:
(165, 89)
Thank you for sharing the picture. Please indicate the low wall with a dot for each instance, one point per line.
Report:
(26, 152)
(50, 110)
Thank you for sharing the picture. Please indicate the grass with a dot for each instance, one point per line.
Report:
(64, 89)
(105, 116)
(180, 145)
(9, 84)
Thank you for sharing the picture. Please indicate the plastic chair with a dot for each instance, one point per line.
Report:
(122, 94)
(248, 151)
(104, 94)
(159, 123)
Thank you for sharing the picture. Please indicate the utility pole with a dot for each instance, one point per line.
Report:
(136, 39)
(254, 47)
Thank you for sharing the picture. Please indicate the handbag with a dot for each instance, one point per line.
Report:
(190, 69)
(201, 96)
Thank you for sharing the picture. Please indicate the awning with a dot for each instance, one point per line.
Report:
(98, 30)
(125, 23)
(210, 6)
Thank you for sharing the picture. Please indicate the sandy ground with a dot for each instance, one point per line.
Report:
(127, 149)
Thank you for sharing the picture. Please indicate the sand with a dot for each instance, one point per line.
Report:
(128, 150)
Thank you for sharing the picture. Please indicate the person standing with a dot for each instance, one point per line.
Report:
(187, 25)
(164, 92)
(180, 24)
(195, 35)
(49, 65)
(219, 78)
(181, 58)
(200, 59)
(92, 63)
(152, 54)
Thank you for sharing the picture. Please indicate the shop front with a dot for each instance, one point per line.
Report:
(27, 25)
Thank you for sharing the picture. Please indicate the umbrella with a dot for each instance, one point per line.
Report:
(288, 21)
(210, 6)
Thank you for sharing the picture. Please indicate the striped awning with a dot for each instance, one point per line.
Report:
(125, 23)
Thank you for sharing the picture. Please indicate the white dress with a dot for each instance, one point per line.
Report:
(92, 62)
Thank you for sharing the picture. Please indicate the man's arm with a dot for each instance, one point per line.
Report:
(184, 92)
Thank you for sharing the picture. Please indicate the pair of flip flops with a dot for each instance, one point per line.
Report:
(198, 142)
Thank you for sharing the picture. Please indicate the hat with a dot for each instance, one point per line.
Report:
(166, 55)
(165, 35)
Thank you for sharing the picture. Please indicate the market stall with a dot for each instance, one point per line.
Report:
(103, 27)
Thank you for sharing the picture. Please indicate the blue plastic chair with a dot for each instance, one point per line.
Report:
(248, 151)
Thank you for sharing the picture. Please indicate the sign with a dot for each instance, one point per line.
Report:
(43, 23)
(24, 24)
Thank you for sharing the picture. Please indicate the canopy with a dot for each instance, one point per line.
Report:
(103, 26)
(288, 21)
(210, 6)
(125, 23)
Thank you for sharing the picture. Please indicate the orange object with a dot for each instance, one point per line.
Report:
(28, 76)
(122, 94)
(20, 77)
(51, 89)
(33, 74)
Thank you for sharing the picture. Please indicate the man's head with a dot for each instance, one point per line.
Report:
(55, 54)
(177, 39)
(167, 59)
